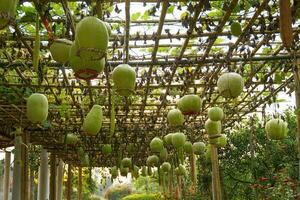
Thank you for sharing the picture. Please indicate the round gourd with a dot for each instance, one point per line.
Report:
(60, 50)
(165, 167)
(178, 140)
(7, 12)
(230, 85)
(93, 121)
(131, 148)
(190, 104)
(198, 148)
(213, 127)
(124, 171)
(37, 108)
(135, 171)
(188, 147)
(180, 170)
(163, 155)
(156, 145)
(72, 139)
(222, 141)
(175, 117)
(114, 172)
(124, 79)
(106, 149)
(236, 29)
(80, 151)
(168, 138)
(84, 69)
(126, 162)
(215, 114)
(92, 38)
(152, 161)
(85, 161)
(276, 129)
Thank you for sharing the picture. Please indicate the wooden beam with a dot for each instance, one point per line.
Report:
(52, 177)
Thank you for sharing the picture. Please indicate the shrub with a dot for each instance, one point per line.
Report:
(143, 197)
(116, 192)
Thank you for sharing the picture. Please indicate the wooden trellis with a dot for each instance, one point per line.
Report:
(197, 60)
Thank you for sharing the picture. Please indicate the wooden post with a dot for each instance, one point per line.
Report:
(17, 174)
(215, 174)
(60, 176)
(6, 175)
(52, 177)
(32, 188)
(25, 168)
(69, 184)
(43, 184)
(79, 197)
(297, 96)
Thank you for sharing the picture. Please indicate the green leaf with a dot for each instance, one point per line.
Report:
(171, 9)
(135, 16)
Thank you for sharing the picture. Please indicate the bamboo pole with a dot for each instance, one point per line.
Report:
(215, 174)
(17, 174)
(6, 175)
(25, 168)
(52, 177)
(79, 197)
(60, 176)
(43, 184)
(297, 96)
(69, 184)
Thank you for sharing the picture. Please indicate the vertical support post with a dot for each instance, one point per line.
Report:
(215, 173)
(17, 174)
(52, 177)
(297, 96)
(25, 168)
(69, 184)
(193, 171)
(79, 197)
(60, 176)
(32, 188)
(6, 175)
(43, 187)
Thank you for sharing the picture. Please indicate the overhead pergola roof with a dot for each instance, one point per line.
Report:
(176, 48)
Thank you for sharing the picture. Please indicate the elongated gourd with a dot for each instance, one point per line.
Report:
(37, 108)
(285, 20)
(37, 45)
(16, 193)
(93, 121)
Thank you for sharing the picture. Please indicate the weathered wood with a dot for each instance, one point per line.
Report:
(17, 173)
(69, 183)
(297, 96)
(6, 175)
(60, 177)
(217, 192)
(43, 183)
(52, 177)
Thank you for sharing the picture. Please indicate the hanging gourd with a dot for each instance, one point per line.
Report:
(180, 170)
(175, 117)
(152, 161)
(215, 114)
(144, 171)
(135, 171)
(7, 12)
(230, 85)
(85, 161)
(156, 145)
(93, 121)
(198, 148)
(60, 50)
(188, 147)
(114, 172)
(165, 167)
(124, 79)
(37, 108)
(222, 141)
(276, 129)
(189, 104)
(92, 39)
(126, 162)
(213, 129)
(163, 154)
(83, 68)
(106, 149)
(72, 139)
(236, 29)
(168, 139)
(178, 140)
(124, 171)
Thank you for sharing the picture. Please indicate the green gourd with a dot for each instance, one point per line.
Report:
(93, 121)
(37, 108)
